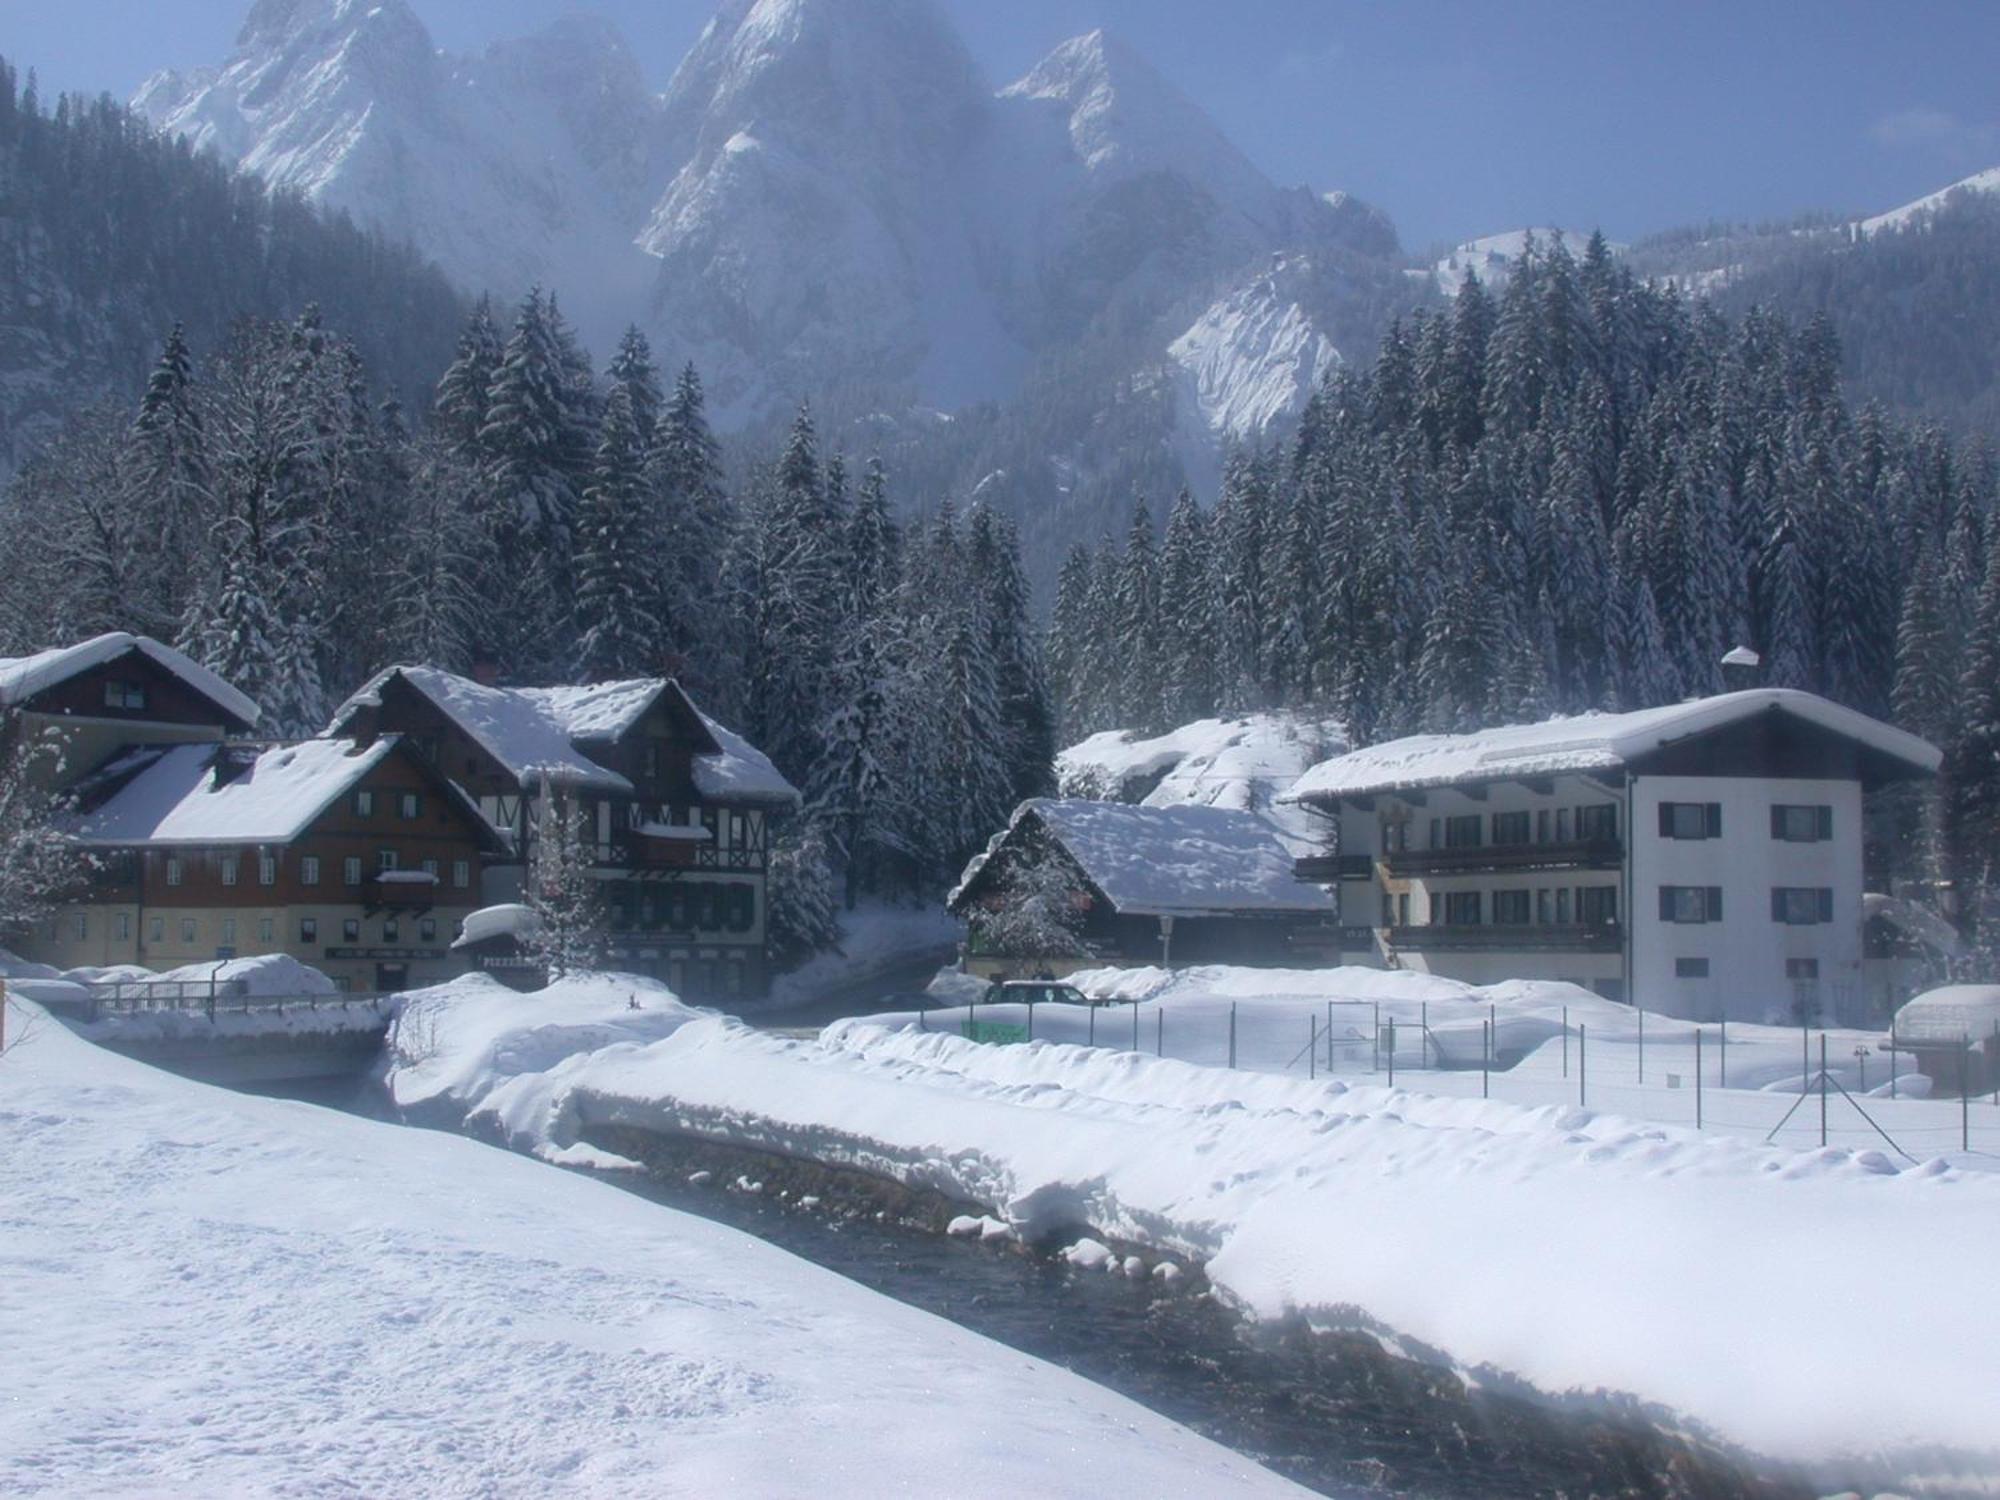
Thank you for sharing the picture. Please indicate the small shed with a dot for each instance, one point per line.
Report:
(1144, 885)
(499, 941)
(1954, 1033)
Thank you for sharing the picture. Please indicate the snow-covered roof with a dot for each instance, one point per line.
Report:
(179, 799)
(21, 677)
(524, 734)
(534, 733)
(1587, 742)
(1169, 861)
(740, 772)
(1950, 1015)
(509, 919)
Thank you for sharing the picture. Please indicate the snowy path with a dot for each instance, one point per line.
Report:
(1812, 1306)
(203, 1293)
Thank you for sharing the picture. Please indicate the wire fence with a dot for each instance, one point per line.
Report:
(1801, 1087)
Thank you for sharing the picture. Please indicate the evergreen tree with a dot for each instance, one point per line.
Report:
(620, 637)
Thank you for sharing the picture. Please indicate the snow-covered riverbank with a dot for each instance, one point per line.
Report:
(1749, 1292)
(202, 1293)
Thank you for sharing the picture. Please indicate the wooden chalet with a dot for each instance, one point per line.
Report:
(679, 808)
(1149, 885)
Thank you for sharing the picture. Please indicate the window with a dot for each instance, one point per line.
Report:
(187, 929)
(427, 929)
(385, 859)
(228, 931)
(1801, 905)
(704, 908)
(350, 929)
(82, 925)
(1690, 820)
(1395, 835)
(1562, 906)
(309, 870)
(173, 871)
(1597, 905)
(1542, 826)
(308, 929)
(124, 925)
(1462, 832)
(1388, 909)
(1690, 903)
(1510, 828)
(1403, 909)
(392, 930)
(156, 929)
(742, 908)
(124, 694)
(1690, 968)
(1543, 910)
(266, 930)
(430, 868)
(1597, 822)
(229, 867)
(1801, 824)
(350, 870)
(1510, 908)
(1801, 968)
(1461, 908)
(461, 873)
(267, 869)
(409, 805)
(1562, 825)
(364, 803)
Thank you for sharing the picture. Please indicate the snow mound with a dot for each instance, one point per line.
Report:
(266, 976)
(457, 1043)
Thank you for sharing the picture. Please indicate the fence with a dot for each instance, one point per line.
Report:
(1797, 1086)
(229, 996)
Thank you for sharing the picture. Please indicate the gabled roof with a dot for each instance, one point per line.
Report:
(226, 794)
(1589, 743)
(22, 677)
(536, 733)
(1187, 861)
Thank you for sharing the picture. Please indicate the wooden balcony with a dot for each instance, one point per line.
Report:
(1533, 938)
(1575, 854)
(1321, 868)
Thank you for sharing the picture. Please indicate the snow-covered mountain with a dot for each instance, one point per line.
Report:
(1490, 258)
(827, 190)
(1986, 182)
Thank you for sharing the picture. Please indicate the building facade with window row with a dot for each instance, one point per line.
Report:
(678, 809)
(359, 861)
(1702, 859)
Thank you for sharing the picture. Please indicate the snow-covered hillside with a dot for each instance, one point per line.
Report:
(1490, 258)
(827, 189)
(1987, 181)
(210, 1294)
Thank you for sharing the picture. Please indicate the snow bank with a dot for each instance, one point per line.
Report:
(453, 1045)
(266, 975)
(1582, 1254)
(206, 1293)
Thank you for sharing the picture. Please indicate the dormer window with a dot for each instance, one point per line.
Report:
(125, 695)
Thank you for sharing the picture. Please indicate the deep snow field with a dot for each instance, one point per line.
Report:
(203, 1293)
(1830, 1308)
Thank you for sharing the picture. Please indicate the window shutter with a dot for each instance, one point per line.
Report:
(1777, 904)
(1666, 903)
(1666, 820)
(1715, 820)
(1715, 903)
(1826, 904)
(1826, 823)
(1777, 821)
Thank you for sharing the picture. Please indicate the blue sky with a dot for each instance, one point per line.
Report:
(1457, 118)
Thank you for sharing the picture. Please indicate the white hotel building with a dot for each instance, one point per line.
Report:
(1702, 859)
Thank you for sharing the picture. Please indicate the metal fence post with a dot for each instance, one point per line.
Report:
(1093, 1026)
(1232, 1033)
(1135, 1025)
(1312, 1049)
(1424, 1034)
(1965, 1095)
(1697, 1078)
(1822, 1088)
(1159, 1033)
(1031, 1020)
(1565, 1041)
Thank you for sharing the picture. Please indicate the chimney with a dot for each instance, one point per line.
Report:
(1742, 668)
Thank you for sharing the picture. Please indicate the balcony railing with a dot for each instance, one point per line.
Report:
(1320, 868)
(1574, 854)
(1607, 937)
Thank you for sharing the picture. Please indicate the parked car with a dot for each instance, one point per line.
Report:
(1036, 992)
